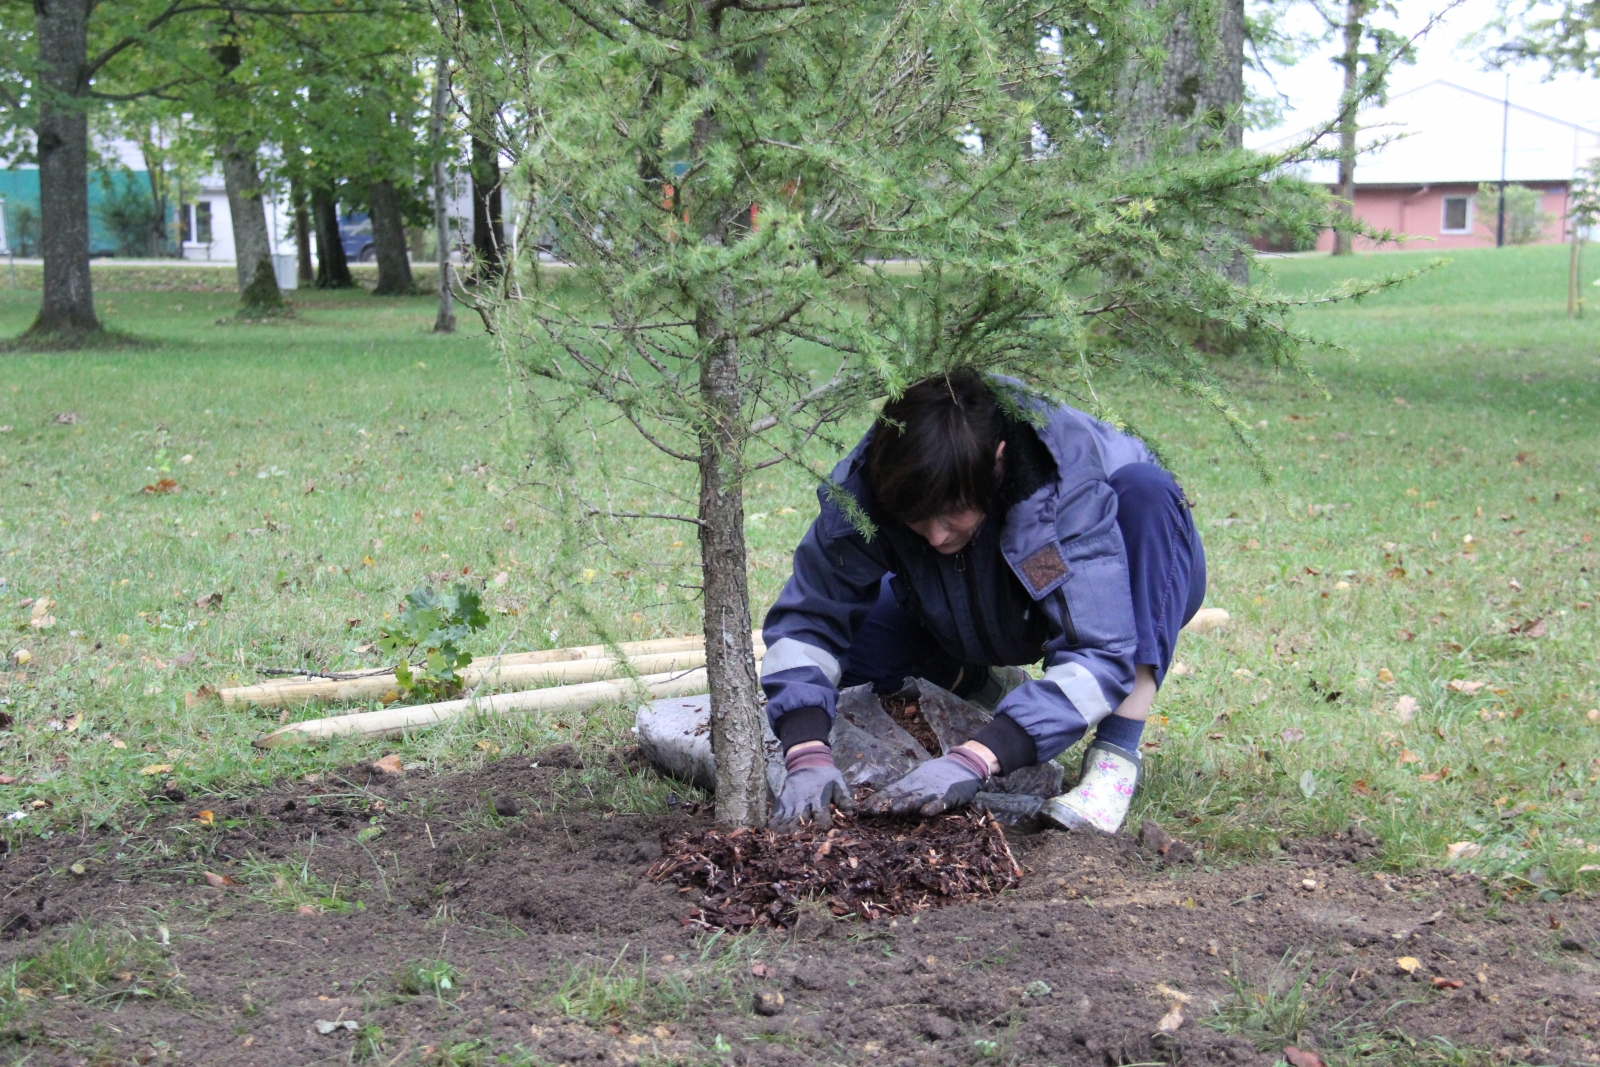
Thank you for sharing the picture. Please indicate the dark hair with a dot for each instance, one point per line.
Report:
(933, 450)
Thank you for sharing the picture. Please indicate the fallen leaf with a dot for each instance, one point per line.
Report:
(1462, 850)
(1385, 675)
(1406, 708)
(163, 485)
(1448, 983)
(1435, 776)
(1407, 635)
(72, 722)
(220, 881)
(6, 779)
(210, 600)
(156, 768)
(1408, 964)
(1408, 756)
(1292, 734)
(22, 657)
(389, 764)
(328, 1026)
(306, 909)
(1302, 1057)
(79, 868)
(66, 418)
(502, 578)
(760, 970)
(1360, 788)
(206, 818)
(1171, 1021)
(1465, 688)
(1529, 628)
(1396, 572)
(199, 696)
(183, 659)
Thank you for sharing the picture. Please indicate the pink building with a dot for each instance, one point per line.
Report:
(1425, 152)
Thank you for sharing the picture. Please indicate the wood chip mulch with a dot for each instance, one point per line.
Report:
(872, 867)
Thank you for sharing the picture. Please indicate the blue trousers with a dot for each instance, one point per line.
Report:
(1166, 573)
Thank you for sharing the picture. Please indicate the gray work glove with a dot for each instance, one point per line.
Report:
(811, 785)
(937, 786)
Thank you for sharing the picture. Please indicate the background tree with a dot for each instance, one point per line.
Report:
(1583, 214)
(1526, 220)
(1189, 91)
(1563, 35)
(744, 308)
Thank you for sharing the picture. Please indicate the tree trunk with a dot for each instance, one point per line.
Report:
(333, 271)
(445, 322)
(488, 229)
(305, 273)
(67, 306)
(736, 733)
(1200, 88)
(1574, 269)
(252, 242)
(389, 242)
(1350, 60)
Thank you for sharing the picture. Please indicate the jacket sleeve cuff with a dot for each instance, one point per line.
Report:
(1010, 743)
(806, 724)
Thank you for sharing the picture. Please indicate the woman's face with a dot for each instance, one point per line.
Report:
(949, 534)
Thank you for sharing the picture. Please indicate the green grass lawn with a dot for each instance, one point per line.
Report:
(1431, 522)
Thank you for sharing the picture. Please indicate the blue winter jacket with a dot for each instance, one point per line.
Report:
(1063, 545)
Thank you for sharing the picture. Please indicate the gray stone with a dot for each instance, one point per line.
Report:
(675, 736)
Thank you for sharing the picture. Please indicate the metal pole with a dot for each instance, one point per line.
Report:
(1505, 126)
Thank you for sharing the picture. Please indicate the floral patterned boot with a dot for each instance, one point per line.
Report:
(1100, 800)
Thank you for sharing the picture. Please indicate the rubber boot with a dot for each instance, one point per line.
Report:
(1001, 681)
(1100, 800)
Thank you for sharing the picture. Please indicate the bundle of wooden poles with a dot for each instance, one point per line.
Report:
(568, 679)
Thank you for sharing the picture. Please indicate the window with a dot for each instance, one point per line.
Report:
(185, 224)
(1457, 215)
(202, 222)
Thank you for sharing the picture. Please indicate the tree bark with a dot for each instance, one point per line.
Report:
(488, 229)
(736, 733)
(445, 322)
(62, 35)
(305, 272)
(1350, 60)
(333, 270)
(252, 242)
(1199, 86)
(389, 242)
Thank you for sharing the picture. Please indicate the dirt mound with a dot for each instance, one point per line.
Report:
(869, 867)
(492, 915)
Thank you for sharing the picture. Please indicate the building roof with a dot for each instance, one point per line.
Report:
(1442, 133)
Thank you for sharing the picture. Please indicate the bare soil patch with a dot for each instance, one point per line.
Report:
(561, 949)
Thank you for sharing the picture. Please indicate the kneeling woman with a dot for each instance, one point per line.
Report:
(1000, 541)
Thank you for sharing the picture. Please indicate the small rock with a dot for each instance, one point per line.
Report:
(389, 764)
(507, 807)
(1154, 838)
(768, 1003)
(1171, 1021)
(937, 1027)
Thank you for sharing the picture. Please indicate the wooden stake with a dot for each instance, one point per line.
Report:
(392, 722)
(580, 664)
